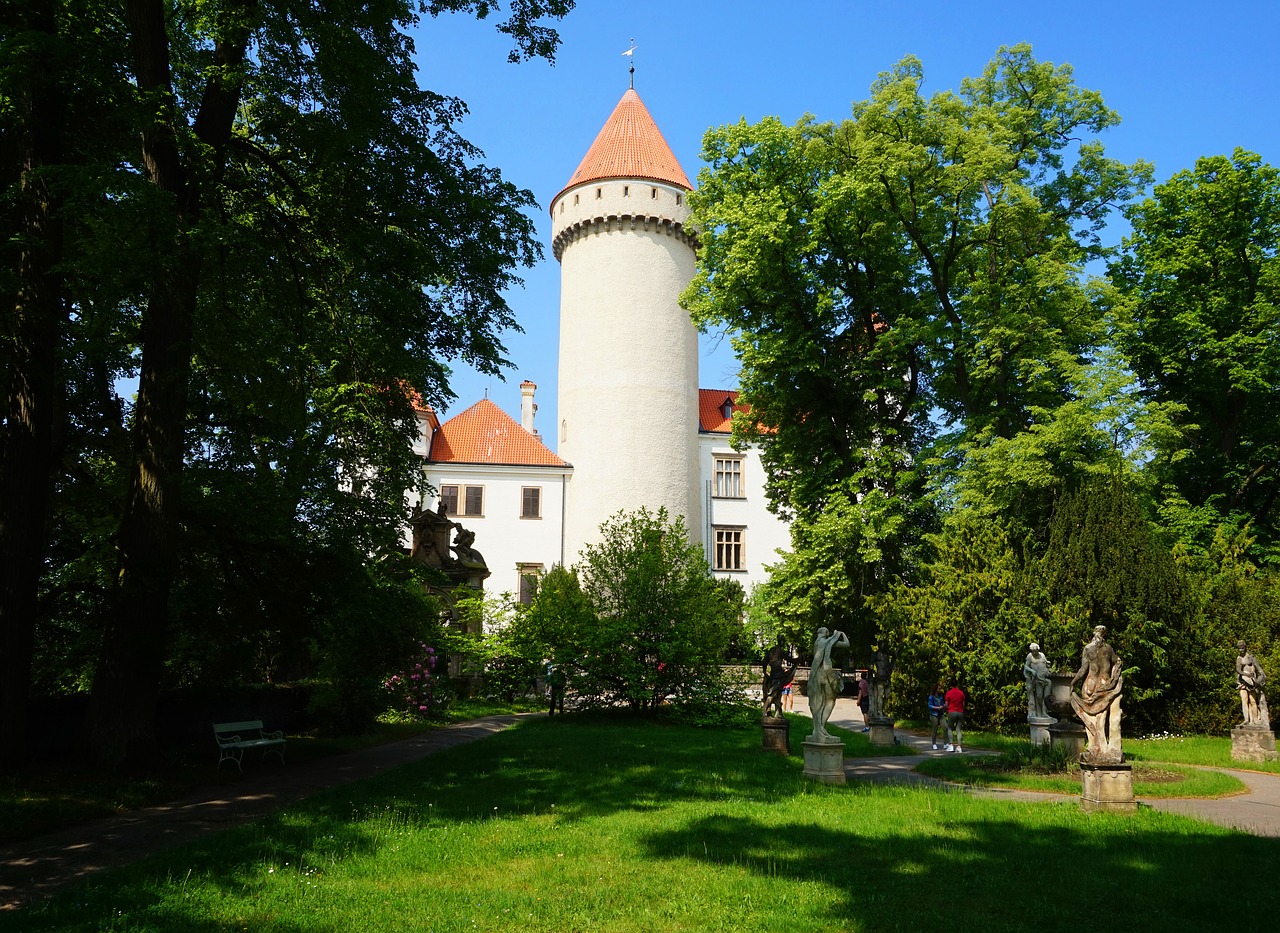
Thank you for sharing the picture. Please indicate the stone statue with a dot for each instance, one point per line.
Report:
(1250, 679)
(1035, 671)
(464, 546)
(1098, 702)
(776, 676)
(881, 671)
(825, 683)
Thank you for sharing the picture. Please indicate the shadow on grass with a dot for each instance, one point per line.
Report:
(984, 874)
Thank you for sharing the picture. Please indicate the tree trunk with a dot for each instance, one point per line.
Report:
(26, 441)
(127, 681)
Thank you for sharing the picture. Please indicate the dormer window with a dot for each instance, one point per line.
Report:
(727, 409)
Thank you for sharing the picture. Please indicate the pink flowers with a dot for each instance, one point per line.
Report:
(417, 690)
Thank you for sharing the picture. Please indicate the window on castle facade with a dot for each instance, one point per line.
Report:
(529, 574)
(471, 498)
(531, 502)
(728, 478)
(729, 554)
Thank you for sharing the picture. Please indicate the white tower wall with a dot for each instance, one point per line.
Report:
(628, 396)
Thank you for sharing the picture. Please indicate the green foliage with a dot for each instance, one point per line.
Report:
(905, 287)
(261, 213)
(965, 622)
(835, 564)
(639, 620)
(373, 627)
(497, 644)
(1200, 282)
(1106, 565)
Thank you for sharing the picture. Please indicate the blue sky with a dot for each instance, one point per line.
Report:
(1188, 80)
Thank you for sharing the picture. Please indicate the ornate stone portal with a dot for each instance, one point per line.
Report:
(460, 565)
(1107, 781)
(1253, 739)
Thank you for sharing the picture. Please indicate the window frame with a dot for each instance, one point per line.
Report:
(720, 473)
(461, 496)
(528, 573)
(524, 493)
(723, 546)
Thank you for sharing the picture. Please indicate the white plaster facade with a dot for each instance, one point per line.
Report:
(762, 534)
(511, 542)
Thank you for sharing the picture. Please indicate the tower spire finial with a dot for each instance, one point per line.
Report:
(631, 54)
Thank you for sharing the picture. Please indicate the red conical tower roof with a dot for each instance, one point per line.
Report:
(629, 145)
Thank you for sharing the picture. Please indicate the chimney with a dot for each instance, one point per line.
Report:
(527, 407)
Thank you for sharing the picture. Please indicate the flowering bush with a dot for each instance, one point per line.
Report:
(420, 691)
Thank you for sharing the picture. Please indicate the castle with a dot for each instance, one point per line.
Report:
(635, 429)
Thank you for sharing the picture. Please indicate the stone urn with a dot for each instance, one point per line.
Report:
(1068, 731)
(1060, 696)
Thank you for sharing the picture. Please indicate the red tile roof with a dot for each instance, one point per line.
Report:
(484, 433)
(629, 145)
(711, 410)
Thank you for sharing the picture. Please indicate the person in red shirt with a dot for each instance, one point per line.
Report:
(954, 701)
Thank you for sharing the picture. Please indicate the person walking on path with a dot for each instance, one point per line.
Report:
(864, 699)
(954, 700)
(937, 711)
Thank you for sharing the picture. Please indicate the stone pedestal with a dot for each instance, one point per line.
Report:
(824, 761)
(881, 732)
(1252, 743)
(1107, 788)
(1068, 734)
(777, 734)
(1040, 729)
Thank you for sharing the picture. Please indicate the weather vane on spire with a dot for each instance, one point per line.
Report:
(631, 54)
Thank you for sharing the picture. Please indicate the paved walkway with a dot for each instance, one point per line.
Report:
(34, 869)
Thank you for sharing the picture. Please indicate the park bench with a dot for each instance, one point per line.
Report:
(234, 737)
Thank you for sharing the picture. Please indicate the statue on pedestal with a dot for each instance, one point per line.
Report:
(1098, 702)
(825, 683)
(1250, 679)
(1036, 673)
(881, 671)
(777, 675)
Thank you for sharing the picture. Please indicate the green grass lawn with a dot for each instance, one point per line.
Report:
(1156, 767)
(607, 823)
(1213, 751)
(1150, 779)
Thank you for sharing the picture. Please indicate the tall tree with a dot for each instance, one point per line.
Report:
(1200, 281)
(36, 113)
(305, 188)
(905, 289)
(64, 107)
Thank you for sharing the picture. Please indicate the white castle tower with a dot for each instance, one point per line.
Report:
(628, 380)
